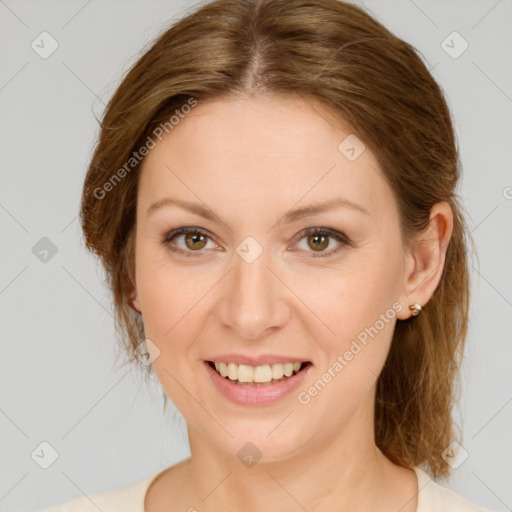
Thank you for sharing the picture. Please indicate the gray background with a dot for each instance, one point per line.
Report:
(57, 378)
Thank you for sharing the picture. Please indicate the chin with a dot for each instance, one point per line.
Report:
(254, 443)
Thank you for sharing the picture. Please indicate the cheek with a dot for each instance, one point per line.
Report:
(172, 303)
(351, 360)
(355, 294)
(173, 318)
(355, 305)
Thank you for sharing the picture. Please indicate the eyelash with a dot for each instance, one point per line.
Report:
(337, 235)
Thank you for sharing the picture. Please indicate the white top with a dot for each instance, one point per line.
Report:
(432, 497)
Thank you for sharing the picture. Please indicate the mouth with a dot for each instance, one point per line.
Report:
(258, 376)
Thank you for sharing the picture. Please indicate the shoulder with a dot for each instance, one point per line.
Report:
(433, 497)
(129, 498)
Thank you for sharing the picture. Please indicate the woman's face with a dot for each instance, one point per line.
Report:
(252, 286)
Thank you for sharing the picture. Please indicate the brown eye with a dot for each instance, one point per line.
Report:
(187, 241)
(195, 241)
(318, 242)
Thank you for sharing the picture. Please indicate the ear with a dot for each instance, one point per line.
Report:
(425, 259)
(129, 256)
(135, 302)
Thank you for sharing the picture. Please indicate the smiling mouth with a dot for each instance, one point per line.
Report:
(266, 375)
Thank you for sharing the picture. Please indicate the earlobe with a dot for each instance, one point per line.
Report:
(425, 261)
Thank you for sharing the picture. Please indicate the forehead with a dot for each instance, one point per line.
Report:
(257, 152)
(255, 128)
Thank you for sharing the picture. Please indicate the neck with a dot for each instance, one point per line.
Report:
(344, 471)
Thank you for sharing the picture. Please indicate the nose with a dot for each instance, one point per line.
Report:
(253, 303)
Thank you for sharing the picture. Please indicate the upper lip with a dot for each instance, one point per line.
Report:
(256, 361)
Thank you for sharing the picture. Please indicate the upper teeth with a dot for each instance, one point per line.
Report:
(265, 373)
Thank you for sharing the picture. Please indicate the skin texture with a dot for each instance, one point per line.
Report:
(251, 160)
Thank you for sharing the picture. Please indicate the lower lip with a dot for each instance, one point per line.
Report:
(256, 395)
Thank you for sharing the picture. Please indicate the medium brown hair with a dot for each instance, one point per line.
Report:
(337, 54)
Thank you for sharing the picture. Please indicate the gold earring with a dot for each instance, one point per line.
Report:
(415, 309)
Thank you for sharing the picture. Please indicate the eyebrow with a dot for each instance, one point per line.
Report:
(287, 218)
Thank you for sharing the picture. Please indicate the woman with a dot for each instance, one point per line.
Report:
(273, 198)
